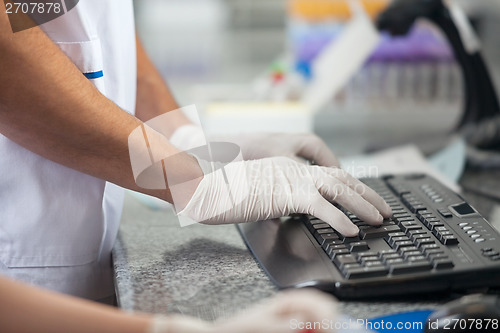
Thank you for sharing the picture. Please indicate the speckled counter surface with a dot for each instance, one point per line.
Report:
(202, 271)
(199, 270)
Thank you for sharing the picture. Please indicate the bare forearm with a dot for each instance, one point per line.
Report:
(153, 95)
(50, 108)
(25, 309)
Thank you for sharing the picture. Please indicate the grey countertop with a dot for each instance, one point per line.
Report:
(203, 271)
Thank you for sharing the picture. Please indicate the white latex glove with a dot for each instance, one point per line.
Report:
(279, 186)
(300, 146)
(280, 314)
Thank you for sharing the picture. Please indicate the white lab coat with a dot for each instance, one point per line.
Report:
(57, 225)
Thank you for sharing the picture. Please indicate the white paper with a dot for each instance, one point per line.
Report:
(403, 159)
(450, 161)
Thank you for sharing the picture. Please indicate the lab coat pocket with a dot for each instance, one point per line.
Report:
(87, 56)
(61, 222)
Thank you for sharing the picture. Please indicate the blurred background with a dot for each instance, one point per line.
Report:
(245, 62)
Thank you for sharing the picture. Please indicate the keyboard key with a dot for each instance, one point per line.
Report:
(408, 254)
(393, 240)
(351, 266)
(349, 239)
(365, 272)
(321, 226)
(394, 261)
(327, 245)
(372, 263)
(408, 197)
(367, 254)
(371, 258)
(320, 237)
(432, 219)
(400, 220)
(423, 241)
(414, 238)
(490, 253)
(411, 233)
(399, 245)
(358, 246)
(434, 253)
(325, 231)
(386, 252)
(445, 213)
(326, 238)
(390, 257)
(429, 247)
(360, 223)
(449, 240)
(407, 226)
(437, 256)
(443, 233)
(442, 263)
(403, 250)
(338, 252)
(332, 247)
(377, 232)
(387, 222)
(422, 215)
(416, 258)
(401, 215)
(434, 224)
(416, 206)
(410, 267)
(399, 189)
(397, 234)
(343, 259)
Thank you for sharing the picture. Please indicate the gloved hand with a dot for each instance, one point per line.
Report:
(285, 313)
(300, 147)
(275, 187)
(303, 146)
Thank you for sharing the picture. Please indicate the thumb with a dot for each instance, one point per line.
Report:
(314, 149)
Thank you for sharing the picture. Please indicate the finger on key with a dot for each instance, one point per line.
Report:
(349, 199)
(365, 191)
(325, 211)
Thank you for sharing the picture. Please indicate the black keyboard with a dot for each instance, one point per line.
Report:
(435, 241)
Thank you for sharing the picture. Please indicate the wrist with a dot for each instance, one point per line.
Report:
(184, 174)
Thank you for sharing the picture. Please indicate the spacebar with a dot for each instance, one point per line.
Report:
(380, 232)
